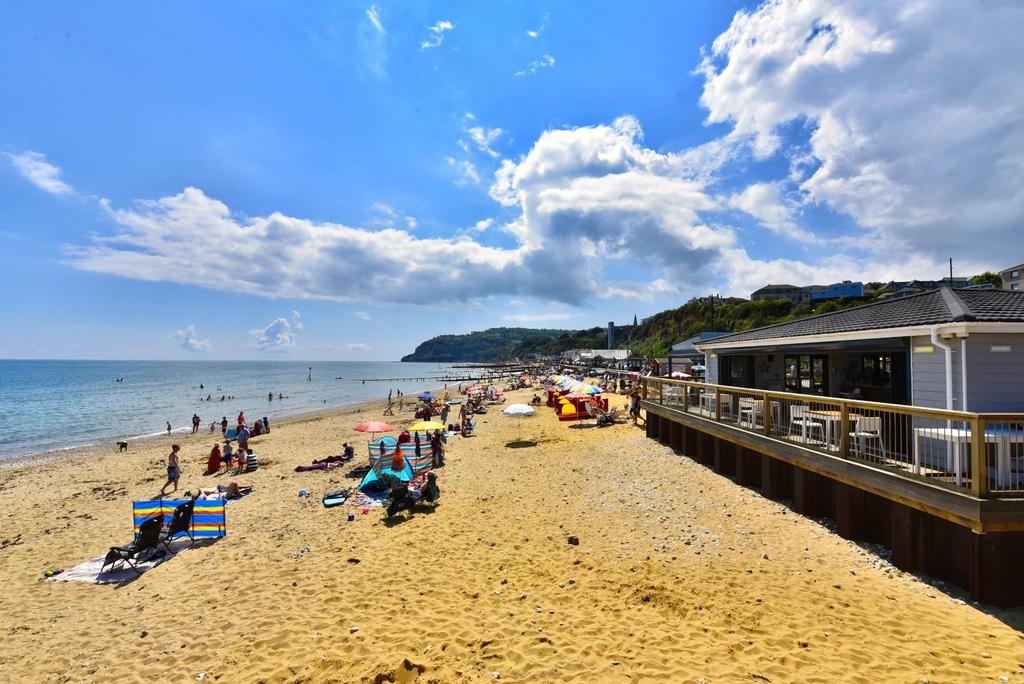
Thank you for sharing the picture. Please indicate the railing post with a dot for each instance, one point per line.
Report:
(979, 459)
(661, 392)
(844, 427)
(643, 387)
(718, 404)
(766, 414)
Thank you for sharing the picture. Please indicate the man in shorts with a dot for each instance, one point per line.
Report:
(173, 470)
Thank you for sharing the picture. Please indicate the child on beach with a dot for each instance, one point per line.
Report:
(226, 455)
(173, 469)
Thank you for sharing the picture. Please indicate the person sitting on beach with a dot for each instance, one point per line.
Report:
(213, 462)
(266, 424)
(257, 429)
(227, 455)
(173, 469)
(349, 452)
(404, 437)
(250, 464)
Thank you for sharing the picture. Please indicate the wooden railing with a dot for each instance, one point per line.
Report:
(977, 453)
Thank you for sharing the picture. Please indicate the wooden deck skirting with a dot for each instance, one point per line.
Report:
(980, 515)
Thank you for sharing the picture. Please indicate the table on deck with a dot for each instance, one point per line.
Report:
(829, 418)
(1001, 437)
(753, 408)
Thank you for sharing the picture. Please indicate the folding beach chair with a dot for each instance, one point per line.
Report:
(146, 541)
(180, 523)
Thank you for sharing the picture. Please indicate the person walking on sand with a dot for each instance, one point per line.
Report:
(634, 404)
(196, 420)
(173, 470)
(168, 427)
(224, 424)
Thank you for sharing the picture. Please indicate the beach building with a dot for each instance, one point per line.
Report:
(902, 420)
(586, 356)
(924, 349)
(1013, 278)
(789, 293)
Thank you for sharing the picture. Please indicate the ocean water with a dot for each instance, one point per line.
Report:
(50, 405)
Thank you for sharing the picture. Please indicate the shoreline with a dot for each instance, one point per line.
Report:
(100, 448)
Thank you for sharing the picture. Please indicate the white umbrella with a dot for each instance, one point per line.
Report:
(698, 367)
(680, 374)
(519, 411)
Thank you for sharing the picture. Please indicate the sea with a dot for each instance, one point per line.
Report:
(63, 405)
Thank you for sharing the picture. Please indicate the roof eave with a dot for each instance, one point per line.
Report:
(874, 334)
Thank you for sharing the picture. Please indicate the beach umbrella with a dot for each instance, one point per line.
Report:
(580, 395)
(590, 389)
(697, 367)
(427, 426)
(373, 427)
(519, 411)
(425, 395)
(680, 374)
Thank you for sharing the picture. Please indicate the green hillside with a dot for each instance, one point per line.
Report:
(653, 337)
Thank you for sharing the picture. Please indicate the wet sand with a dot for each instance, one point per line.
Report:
(679, 574)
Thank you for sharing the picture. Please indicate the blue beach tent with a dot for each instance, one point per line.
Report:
(372, 483)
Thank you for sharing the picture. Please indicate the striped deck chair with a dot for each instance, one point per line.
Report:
(209, 520)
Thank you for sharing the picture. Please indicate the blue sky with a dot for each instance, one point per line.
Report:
(344, 180)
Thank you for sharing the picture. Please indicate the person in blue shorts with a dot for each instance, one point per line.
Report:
(173, 470)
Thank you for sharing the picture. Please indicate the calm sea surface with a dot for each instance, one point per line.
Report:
(49, 405)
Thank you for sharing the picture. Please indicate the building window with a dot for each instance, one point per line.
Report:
(807, 374)
(1014, 275)
(1014, 286)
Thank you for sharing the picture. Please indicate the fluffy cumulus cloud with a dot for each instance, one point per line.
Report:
(41, 173)
(904, 124)
(913, 113)
(189, 340)
(279, 335)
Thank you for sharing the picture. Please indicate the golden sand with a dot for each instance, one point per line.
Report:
(680, 575)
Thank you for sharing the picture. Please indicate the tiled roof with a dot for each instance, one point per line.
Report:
(934, 307)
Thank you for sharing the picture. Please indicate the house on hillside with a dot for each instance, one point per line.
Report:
(789, 293)
(1013, 278)
(945, 348)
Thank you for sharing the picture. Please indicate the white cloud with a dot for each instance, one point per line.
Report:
(436, 36)
(545, 62)
(374, 16)
(467, 171)
(358, 346)
(766, 203)
(41, 173)
(538, 317)
(483, 224)
(279, 335)
(189, 341)
(484, 138)
(362, 315)
(533, 34)
(911, 114)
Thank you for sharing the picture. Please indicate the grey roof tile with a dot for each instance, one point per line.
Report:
(927, 308)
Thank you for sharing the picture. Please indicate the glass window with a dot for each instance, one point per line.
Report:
(806, 374)
(1014, 286)
(1014, 274)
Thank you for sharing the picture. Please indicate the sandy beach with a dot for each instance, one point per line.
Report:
(679, 574)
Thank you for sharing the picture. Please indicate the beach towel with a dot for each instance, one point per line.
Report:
(90, 570)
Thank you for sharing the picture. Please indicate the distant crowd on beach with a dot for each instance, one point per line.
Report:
(221, 460)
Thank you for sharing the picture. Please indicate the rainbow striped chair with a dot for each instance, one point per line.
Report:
(200, 519)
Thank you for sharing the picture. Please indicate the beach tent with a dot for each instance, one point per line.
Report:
(371, 482)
